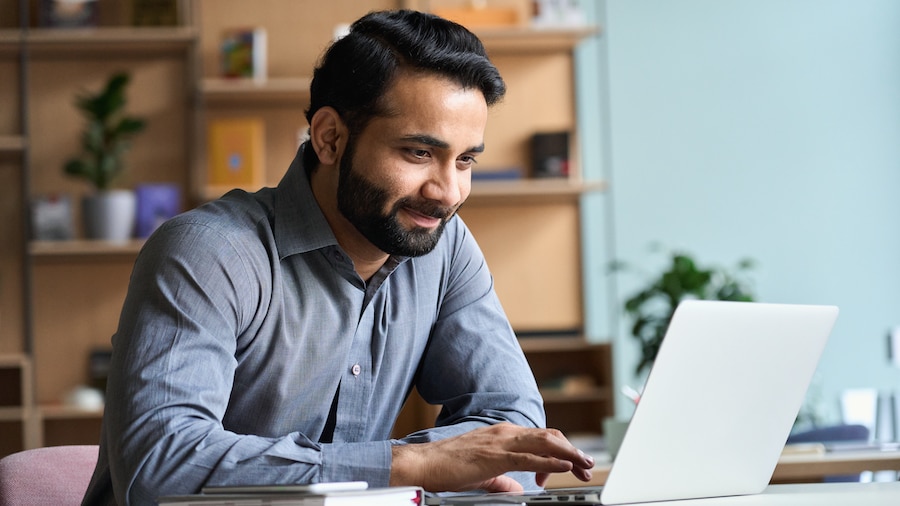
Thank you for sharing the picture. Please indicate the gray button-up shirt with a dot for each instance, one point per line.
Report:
(245, 326)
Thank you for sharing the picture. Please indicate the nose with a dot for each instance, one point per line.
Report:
(444, 185)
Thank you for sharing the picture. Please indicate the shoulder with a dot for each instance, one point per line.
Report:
(234, 227)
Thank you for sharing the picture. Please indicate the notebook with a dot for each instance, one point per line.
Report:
(717, 407)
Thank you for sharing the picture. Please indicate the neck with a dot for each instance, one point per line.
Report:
(367, 258)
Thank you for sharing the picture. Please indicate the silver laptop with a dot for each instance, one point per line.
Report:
(716, 409)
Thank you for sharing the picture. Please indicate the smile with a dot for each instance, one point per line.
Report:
(422, 220)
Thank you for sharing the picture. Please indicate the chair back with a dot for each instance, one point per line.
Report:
(57, 475)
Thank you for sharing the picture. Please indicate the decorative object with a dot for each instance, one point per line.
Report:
(156, 203)
(51, 217)
(652, 307)
(550, 154)
(105, 140)
(68, 13)
(236, 152)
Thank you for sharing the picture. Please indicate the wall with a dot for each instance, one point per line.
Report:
(760, 128)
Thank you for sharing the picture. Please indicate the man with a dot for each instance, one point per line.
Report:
(273, 337)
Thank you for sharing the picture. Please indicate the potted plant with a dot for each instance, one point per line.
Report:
(651, 308)
(108, 213)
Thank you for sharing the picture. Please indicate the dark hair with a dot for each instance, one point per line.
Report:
(355, 72)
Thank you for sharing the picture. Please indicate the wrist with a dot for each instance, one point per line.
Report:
(405, 468)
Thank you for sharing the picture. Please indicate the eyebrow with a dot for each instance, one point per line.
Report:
(429, 140)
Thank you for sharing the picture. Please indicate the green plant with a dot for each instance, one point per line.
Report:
(652, 307)
(107, 133)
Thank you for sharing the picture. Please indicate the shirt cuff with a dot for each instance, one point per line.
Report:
(369, 462)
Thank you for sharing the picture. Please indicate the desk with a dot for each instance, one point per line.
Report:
(808, 494)
(793, 468)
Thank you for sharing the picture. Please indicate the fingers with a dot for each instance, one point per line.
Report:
(501, 484)
(550, 443)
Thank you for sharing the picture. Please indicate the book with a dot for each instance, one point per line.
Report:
(236, 152)
(387, 496)
(154, 12)
(244, 53)
(156, 203)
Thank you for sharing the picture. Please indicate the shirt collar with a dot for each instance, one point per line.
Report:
(300, 226)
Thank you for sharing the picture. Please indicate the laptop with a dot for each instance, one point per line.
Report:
(716, 410)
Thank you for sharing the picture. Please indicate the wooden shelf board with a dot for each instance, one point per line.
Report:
(62, 412)
(9, 360)
(559, 396)
(109, 40)
(532, 189)
(12, 143)
(275, 89)
(491, 192)
(551, 344)
(84, 247)
(13, 414)
(531, 39)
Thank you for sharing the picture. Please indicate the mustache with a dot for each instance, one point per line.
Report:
(427, 208)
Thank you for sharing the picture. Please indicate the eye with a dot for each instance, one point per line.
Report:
(466, 162)
(418, 154)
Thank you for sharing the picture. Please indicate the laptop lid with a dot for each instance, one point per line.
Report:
(720, 401)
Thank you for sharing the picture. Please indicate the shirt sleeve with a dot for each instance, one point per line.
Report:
(193, 291)
(474, 366)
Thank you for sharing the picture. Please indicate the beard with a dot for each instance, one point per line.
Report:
(362, 201)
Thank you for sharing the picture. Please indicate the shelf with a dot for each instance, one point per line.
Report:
(84, 247)
(491, 192)
(530, 190)
(273, 89)
(9, 360)
(533, 40)
(553, 344)
(12, 144)
(61, 412)
(559, 396)
(111, 40)
(10, 414)
(10, 41)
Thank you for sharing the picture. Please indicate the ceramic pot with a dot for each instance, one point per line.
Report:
(109, 215)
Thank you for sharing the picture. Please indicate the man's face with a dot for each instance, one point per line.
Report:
(407, 173)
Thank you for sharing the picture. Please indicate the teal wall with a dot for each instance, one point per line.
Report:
(760, 128)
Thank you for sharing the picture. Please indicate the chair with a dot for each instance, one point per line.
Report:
(844, 433)
(832, 434)
(57, 475)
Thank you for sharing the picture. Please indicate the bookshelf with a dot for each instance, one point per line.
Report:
(60, 300)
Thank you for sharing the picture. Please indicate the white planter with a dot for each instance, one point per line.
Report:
(109, 215)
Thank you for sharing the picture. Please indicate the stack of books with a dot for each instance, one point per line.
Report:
(319, 494)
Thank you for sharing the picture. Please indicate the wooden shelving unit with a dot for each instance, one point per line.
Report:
(529, 229)
(70, 292)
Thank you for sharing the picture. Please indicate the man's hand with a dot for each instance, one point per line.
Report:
(479, 459)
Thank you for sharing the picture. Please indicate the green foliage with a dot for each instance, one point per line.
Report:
(652, 307)
(106, 136)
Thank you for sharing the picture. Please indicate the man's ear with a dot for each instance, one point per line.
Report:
(328, 135)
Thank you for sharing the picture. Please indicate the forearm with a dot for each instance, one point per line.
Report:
(195, 457)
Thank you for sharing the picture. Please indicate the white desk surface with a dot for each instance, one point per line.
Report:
(808, 494)
(791, 468)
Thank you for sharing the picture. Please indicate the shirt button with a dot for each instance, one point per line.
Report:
(356, 369)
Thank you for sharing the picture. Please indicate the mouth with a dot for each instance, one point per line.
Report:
(422, 220)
